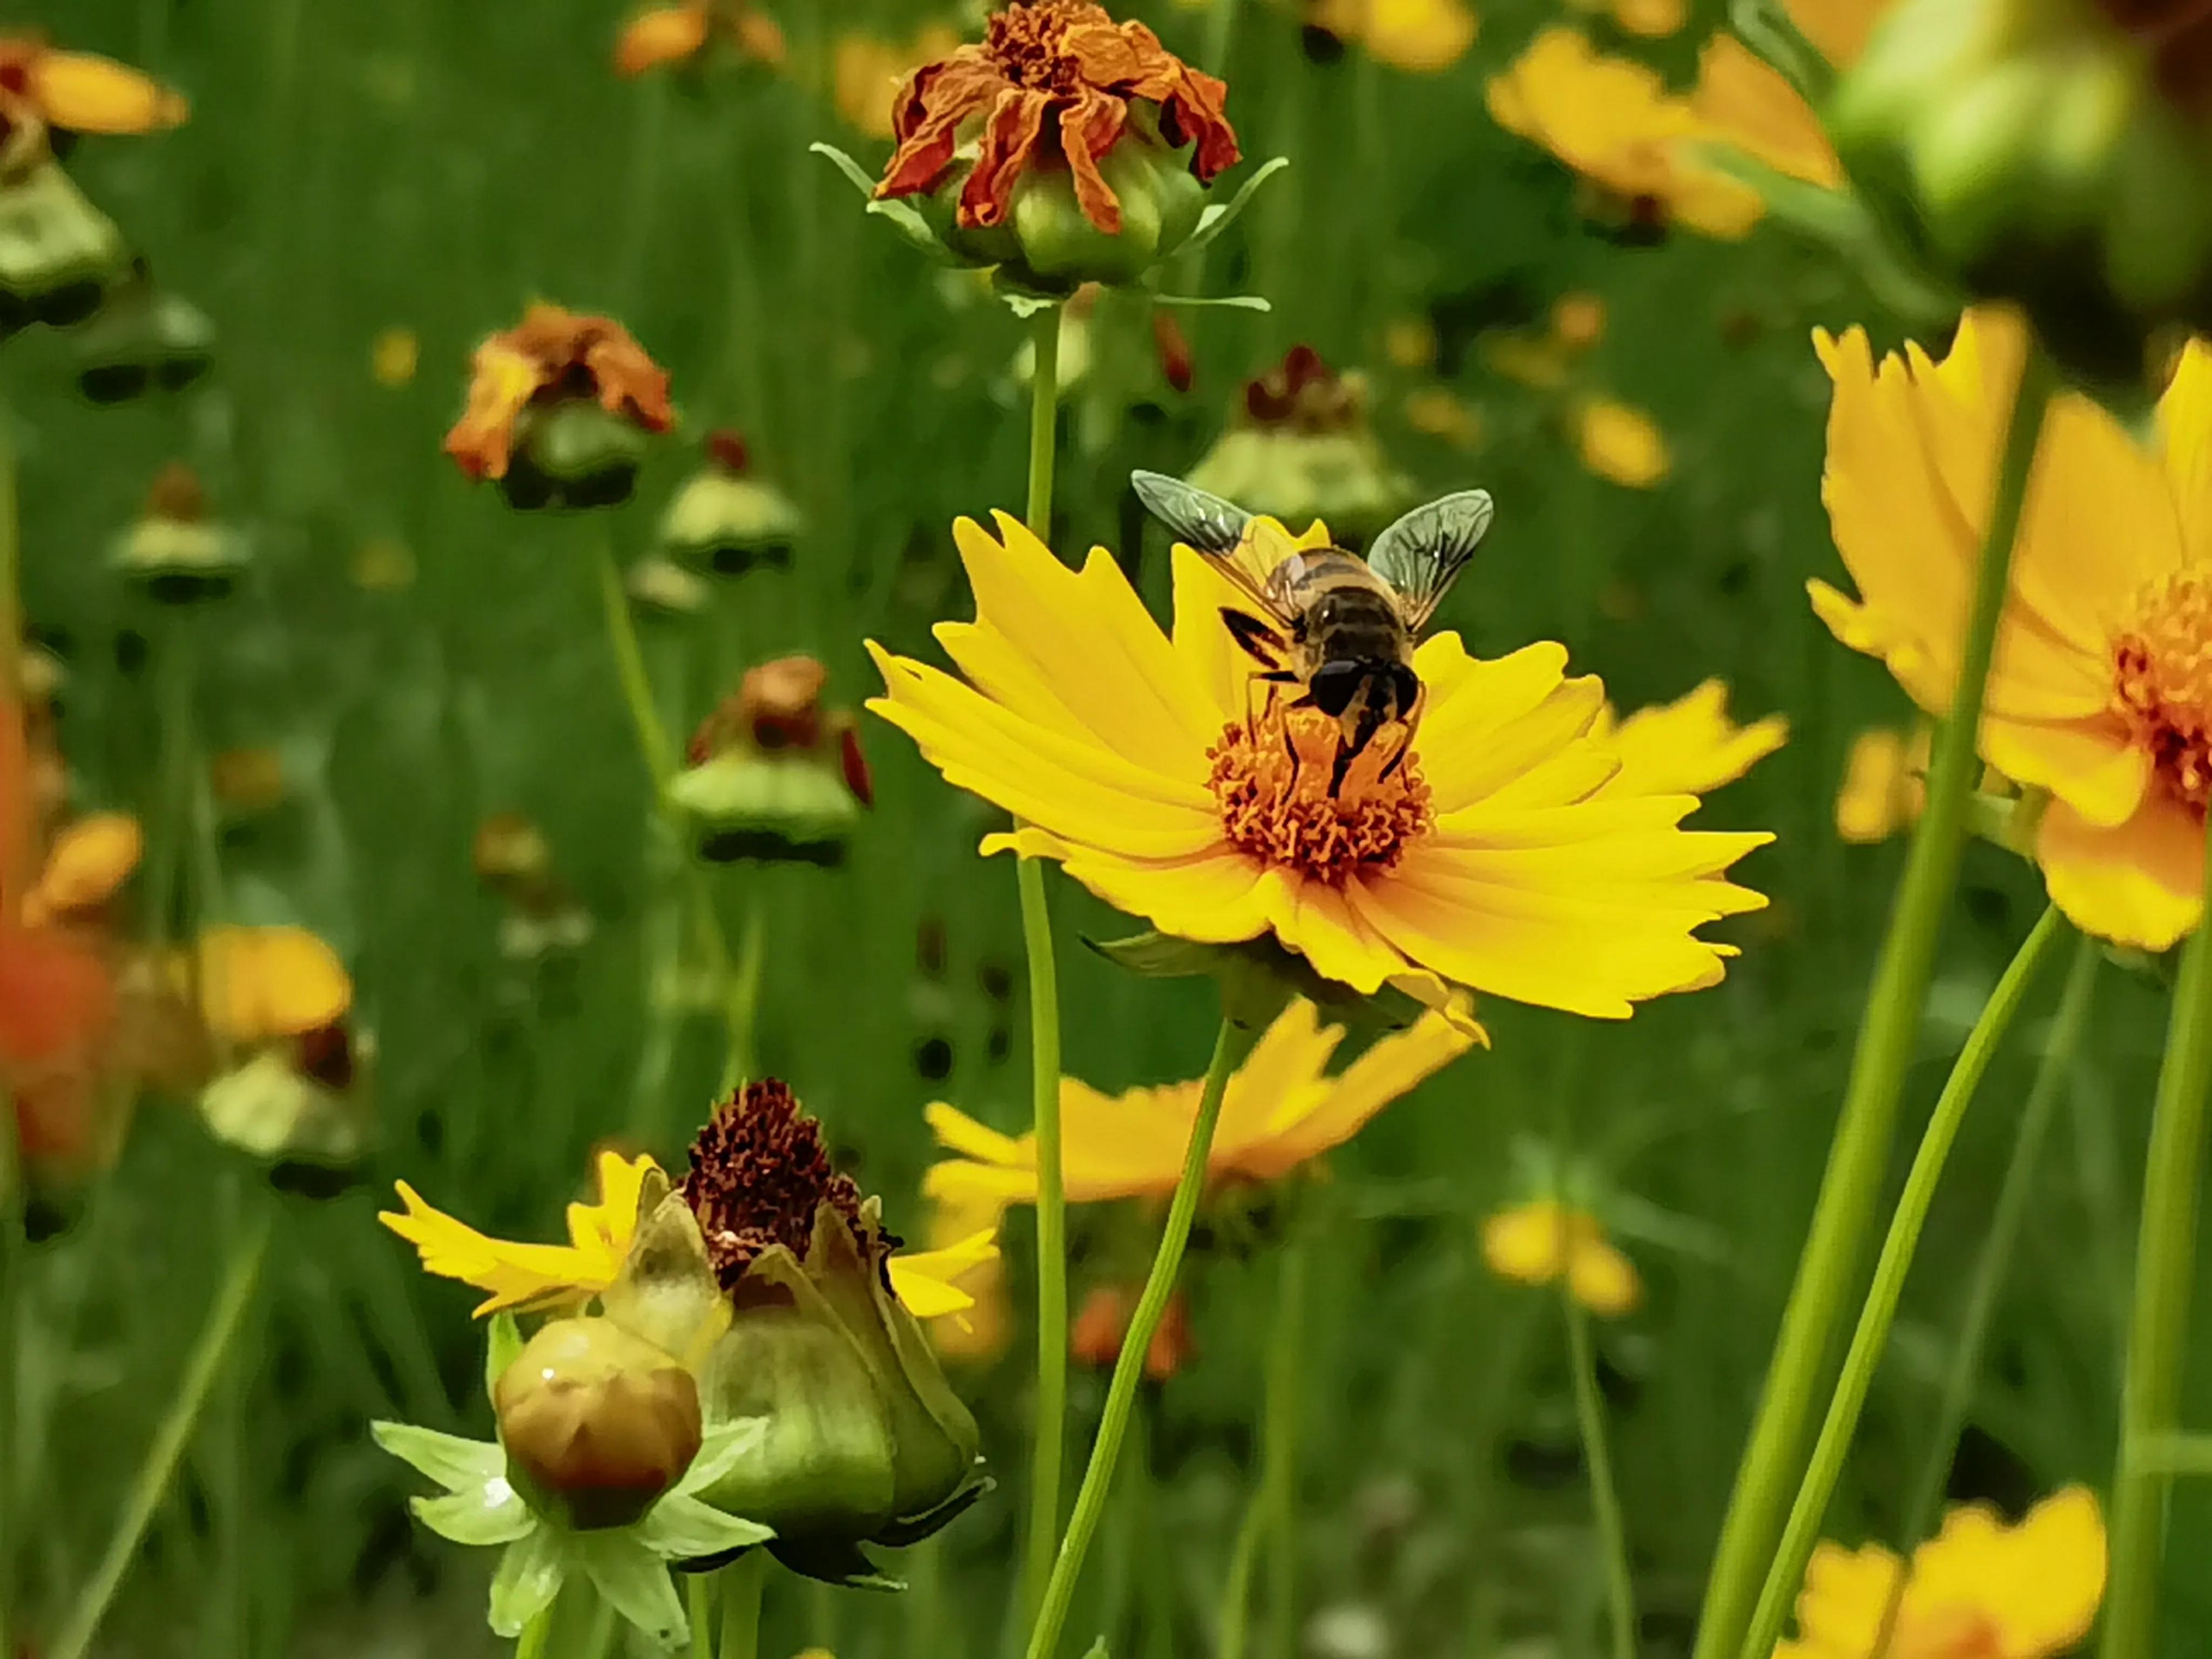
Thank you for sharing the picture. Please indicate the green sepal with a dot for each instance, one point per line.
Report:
(680, 1527)
(1098, 1649)
(502, 1343)
(721, 1449)
(1773, 36)
(493, 1513)
(1258, 977)
(1220, 301)
(529, 1577)
(455, 1463)
(913, 1529)
(633, 1582)
(909, 223)
(1220, 216)
(834, 1561)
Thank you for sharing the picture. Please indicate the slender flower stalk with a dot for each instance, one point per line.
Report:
(1850, 1189)
(1051, 1436)
(1605, 1497)
(1803, 1532)
(699, 1605)
(1271, 1516)
(741, 1606)
(537, 1636)
(225, 1315)
(1994, 1258)
(1233, 1044)
(2158, 1331)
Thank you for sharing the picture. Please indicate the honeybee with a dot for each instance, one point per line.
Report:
(1340, 628)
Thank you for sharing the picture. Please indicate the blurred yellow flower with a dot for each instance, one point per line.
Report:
(1141, 762)
(1979, 1589)
(1434, 410)
(979, 1334)
(1542, 365)
(393, 357)
(1741, 102)
(261, 984)
(90, 858)
(1885, 784)
(1655, 20)
(530, 1278)
(869, 70)
(2101, 694)
(79, 92)
(1689, 746)
(1619, 443)
(1410, 342)
(1423, 36)
(1615, 122)
(1578, 320)
(1281, 1110)
(679, 33)
(1536, 1243)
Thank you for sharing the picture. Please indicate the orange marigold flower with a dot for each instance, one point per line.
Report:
(553, 356)
(1062, 62)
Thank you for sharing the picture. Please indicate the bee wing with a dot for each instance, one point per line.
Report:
(1220, 530)
(1422, 554)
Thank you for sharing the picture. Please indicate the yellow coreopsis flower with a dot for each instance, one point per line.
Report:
(1885, 784)
(2101, 694)
(1486, 857)
(1423, 36)
(1978, 1589)
(1281, 1110)
(1689, 746)
(1536, 1243)
(529, 1278)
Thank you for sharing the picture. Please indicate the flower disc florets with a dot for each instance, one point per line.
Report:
(2162, 684)
(1282, 803)
(759, 1172)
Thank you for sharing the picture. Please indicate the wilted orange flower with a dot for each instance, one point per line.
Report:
(868, 71)
(1066, 62)
(677, 35)
(1096, 1334)
(44, 90)
(553, 355)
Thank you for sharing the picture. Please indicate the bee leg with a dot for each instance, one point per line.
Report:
(1272, 678)
(1410, 720)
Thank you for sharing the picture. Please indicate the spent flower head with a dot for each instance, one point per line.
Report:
(773, 774)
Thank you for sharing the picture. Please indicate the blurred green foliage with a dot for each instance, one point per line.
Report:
(351, 167)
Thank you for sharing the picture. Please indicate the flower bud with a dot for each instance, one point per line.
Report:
(597, 1423)
(662, 590)
(300, 1102)
(1065, 149)
(1298, 447)
(773, 776)
(2040, 151)
(143, 339)
(175, 551)
(572, 455)
(58, 251)
(725, 522)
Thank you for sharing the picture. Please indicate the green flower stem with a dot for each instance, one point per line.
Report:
(1230, 1047)
(1604, 1496)
(699, 1603)
(659, 758)
(1049, 1449)
(741, 1606)
(2158, 1329)
(2176, 1454)
(1872, 1335)
(225, 1315)
(1994, 1258)
(537, 1636)
(1828, 1271)
(172, 817)
(1271, 1516)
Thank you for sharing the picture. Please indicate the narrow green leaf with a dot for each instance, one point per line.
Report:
(1221, 302)
(1218, 217)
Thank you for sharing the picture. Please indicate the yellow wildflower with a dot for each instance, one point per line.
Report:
(79, 92)
(1979, 1589)
(2101, 694)
(1424, 37)
(1885, 784)
(1689, 746)
(90, 858)
(1620, 444)
(260, 984)
(1535, 1242)
(532, 1276)
(1147, 765)
(1281, 1110)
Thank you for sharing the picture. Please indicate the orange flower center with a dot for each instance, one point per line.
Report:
(1283, 802)
(1028, 43)
(1946, 1633)
(2162, 684)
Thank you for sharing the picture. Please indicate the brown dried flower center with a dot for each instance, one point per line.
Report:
(1028, 42)
(759, 1172)
(1280, 800)
(2162, 684)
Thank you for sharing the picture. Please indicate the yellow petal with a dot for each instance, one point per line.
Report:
(91, 858)
(1602, 1278)
(2038, 1583)
(523, 1277)
(1881, 790)
(1689, 746)
(1529, 1242)
(1741, 102)
(1621, 443)
(925, 1280)
(261, 983)
(2141, 883)
(667, 34)
(601, 1230)
(1396, 1065)
(1841, 1610)
(78, 92)
(1655, 20)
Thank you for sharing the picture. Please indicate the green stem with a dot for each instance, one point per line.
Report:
(1049, 1451)
(699, 1602)
(537, 1636)
(1044, 418)
(741, 1605)
(1829, 1269)
(1272, 1515)
(599, 1635)
(1880, 1312)
(225, 1315)
(1604, 1496)
(2176, 1454)
(175, 803)
(2158, 1329)
(659, 756)
(1994, 1259)
(744, 994)
(1231, 1047)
